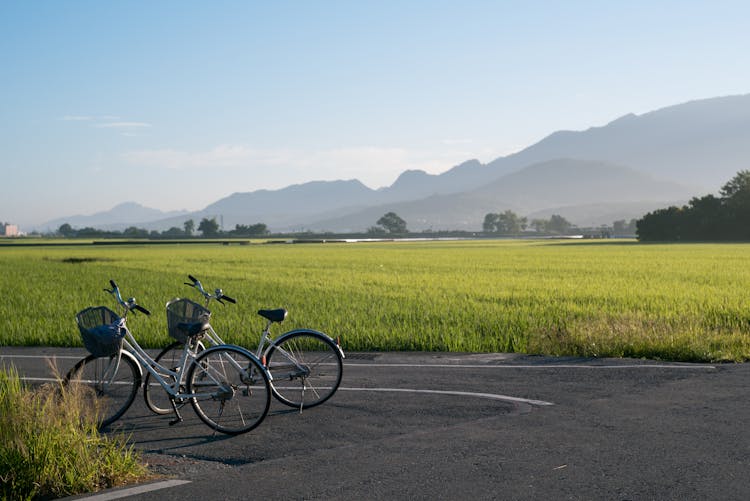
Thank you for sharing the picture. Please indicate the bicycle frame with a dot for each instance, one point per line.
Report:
(131, 347)
(280, 356)
(266, 342)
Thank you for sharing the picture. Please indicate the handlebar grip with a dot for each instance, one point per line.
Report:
(231, 300)
(113, 284)
(140, 308)
(192, 278)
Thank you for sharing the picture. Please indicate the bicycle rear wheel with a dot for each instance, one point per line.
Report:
(229, 389)
(306, 368)
(108, 385)
(157, 399)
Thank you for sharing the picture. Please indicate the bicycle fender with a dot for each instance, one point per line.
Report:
(125, 353)
(304, 331)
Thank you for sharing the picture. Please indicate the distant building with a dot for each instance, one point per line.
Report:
(8, 230)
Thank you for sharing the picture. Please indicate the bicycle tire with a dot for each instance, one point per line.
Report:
(109, 397)
(157, 399)
(229, 388)
(306, 368)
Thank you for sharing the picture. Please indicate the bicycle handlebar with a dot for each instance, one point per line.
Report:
(140, 308)
(218, 294)
(130, 304)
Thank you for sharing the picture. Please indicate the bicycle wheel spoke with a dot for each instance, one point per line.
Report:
(306, 368)
(231, 393)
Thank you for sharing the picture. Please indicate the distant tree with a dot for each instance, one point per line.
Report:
(209, 227)
(66, 230)
(623, 227)
(490, 222)
(376, 231)
(662, 224)
(392, 223)
(253, 230)
(133, 232)
(738, 185)
(258, 229)
(507, 223)
(189, 227)
(706, 218)
(174, 231)
(711, 218)
(558, 224)
(539, 225)
(89, 232)
(735, 196)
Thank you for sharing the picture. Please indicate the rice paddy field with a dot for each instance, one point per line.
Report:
(685, 302)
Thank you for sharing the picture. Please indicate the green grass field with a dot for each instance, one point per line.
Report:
(583, 298)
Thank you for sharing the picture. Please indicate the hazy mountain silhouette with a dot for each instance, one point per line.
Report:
(635, 163)
(119, 217)
(700, 143)
(561, 183)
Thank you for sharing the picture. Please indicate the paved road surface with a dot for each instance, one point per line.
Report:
(454, 426)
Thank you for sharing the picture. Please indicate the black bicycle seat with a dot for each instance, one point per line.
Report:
(277, 315)
(193, 328)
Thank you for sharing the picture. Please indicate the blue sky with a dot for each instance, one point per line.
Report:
(177, 104)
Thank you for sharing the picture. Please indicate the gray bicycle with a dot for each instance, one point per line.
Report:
(305, 365)
(227, 386)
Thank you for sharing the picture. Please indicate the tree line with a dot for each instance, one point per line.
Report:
(504, 223)
(208, 228)
(510, 223)
(708, 218)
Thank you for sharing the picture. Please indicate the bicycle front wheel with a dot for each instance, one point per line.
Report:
(306, 368)
(108, 385)
(229, 389)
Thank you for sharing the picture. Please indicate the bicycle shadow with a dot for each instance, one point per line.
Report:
(153, 434)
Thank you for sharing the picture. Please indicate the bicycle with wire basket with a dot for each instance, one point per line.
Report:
(227, 385)
(305, 365)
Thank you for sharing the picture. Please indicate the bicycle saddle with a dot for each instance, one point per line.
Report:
(193, 328)
(277, 315)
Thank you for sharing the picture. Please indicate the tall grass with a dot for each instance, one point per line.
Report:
(679, 302)
(50, 448)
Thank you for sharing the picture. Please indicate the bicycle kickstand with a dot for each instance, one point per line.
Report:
(178, 417)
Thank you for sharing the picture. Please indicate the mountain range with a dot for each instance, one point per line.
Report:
(622, 170)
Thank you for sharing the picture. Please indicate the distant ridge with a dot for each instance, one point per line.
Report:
(120, 216)
(635, 161)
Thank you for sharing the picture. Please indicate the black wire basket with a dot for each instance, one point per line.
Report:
(181, 312)
(101, 330)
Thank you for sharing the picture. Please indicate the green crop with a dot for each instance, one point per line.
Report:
(580, 298)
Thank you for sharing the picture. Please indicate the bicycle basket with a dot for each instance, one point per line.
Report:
(182, 311)
(101, 330)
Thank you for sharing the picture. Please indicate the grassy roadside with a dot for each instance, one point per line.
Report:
(49, 448)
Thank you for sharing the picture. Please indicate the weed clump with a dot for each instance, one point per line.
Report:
(50, 447)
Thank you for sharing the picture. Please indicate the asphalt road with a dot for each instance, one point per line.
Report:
(456, 426)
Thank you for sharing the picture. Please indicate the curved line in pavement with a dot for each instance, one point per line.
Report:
(491, 396)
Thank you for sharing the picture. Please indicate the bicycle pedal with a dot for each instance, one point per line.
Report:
(175, 421)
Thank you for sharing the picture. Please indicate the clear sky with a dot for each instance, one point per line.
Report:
(176, 104)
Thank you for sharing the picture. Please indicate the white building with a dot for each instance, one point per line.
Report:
(8, 230)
